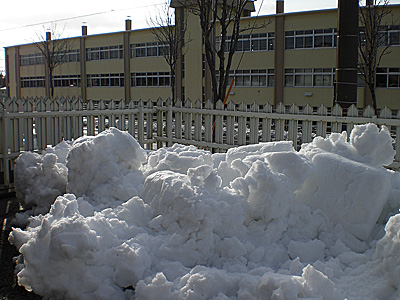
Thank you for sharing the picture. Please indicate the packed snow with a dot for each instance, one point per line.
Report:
(110, 220)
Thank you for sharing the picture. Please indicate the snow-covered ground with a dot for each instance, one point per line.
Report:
(259, 222)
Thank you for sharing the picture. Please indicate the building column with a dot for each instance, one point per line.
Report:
(127, 61)
(279, 70)
(17, 73)
(179, 20)
(82, 60)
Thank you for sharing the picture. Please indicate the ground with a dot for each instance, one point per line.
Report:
(9, 289)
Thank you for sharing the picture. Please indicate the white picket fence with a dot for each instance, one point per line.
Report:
(33, 124)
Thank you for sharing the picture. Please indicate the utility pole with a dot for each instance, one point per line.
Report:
(347, 53)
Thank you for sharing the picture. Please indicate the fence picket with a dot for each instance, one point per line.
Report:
(198, 123)
(280, 123)
(266, 124)
(188, 120)
(242, 127)
(306, 135)
(254, 122)
(338, 112)
(322, 125)
(293, 125)
(219, 130)
(230, 125)
(352, 111)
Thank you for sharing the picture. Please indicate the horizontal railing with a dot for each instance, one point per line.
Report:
(32, 124)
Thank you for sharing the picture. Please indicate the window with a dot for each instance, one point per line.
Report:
(73, 56)
(388, 78)
(105, 80)
(32, 82)
(164, 79)
(321, 77)
(140, 79)
(263, 41)
(152, 49)
(104, 53)
(307, 39)
(303, 77)
(303, 39)
(243, 43)
(151, 79)
(394, 35)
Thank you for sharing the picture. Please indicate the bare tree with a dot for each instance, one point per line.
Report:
(54, 50)
(374, 41)
(171, 39)
(227, 13)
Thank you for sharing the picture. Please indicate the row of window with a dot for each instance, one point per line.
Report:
(255, 78)
(105, 80)
(304, 39)
(32, 82)
(67, 80)
(387, 35)
(153, 79)
(388, 77)
(38, 58)
(152, 49)
(146, 79)
(309, 77)
(250, 42)
(104, 53)
(299, 39)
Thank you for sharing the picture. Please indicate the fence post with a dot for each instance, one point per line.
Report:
(141, 123)
(188, 120)
(169, 123)
(242, 125)
(4, 143)
(160, 123)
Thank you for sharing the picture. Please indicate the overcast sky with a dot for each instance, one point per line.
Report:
(22, 20)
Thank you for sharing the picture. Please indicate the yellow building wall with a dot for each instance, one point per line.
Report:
(319, 19)
(193, 81)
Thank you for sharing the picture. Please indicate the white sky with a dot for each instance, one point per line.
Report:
(22, 20)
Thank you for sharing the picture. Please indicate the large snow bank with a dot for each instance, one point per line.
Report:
(259, 222)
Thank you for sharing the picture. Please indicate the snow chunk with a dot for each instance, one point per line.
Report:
(39, 179)
(106, 167)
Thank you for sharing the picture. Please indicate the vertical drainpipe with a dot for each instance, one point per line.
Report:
(127, 61)
(82, 59)
(347, 53)
(279, 52)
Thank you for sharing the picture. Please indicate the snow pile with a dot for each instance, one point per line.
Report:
(259, 222)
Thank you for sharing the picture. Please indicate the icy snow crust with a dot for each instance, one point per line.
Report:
(259, 222)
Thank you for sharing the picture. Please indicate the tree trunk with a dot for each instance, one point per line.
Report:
(51, 83)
